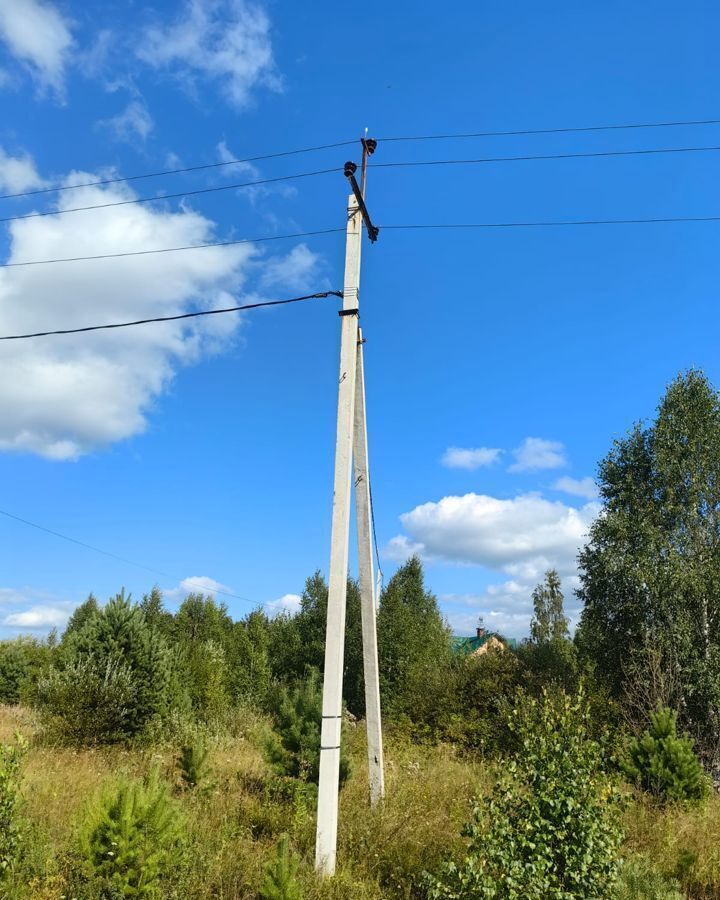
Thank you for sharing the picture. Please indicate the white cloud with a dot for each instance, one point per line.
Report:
(470, 458)
(62, 397)
(132, 123)
(536, 453)
(40, 617)
(578, 487)
(505, 607)
(297, 271)
(522, 537)
(288, 603)
(39, 37)
(26, 609)
(18, 173)
(195, 584)
(227, 41)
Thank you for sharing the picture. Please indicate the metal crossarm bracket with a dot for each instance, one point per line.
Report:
(372, 230)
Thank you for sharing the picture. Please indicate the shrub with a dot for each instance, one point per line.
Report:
(663, 763)
(130, 836)
(638, 880)
(11, 756)
(551, 829)
(116, 675)
(294, 747)
(281, 875)
(88, 701)
(193, 765)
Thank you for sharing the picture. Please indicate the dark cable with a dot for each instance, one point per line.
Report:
(497, 159)
(122, 559)
(191, 315)
(65, 259)
(374, 532)
(207, 190)
(218, 165)
(658, 220)
(481, 134)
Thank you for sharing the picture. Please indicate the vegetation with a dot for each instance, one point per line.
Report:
(551, 827)
(584, 765)
(663, 763)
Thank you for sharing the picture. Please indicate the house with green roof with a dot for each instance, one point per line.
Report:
(483, 641)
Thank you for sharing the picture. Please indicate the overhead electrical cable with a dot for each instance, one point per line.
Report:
(257, 240)
(190, 315)
(122, 559)
(531, 131)
(421, 137)
(548, 224)
(194, 192)
(166, 172)
(535, 157)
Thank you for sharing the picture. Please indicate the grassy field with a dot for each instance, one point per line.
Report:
(232, 827)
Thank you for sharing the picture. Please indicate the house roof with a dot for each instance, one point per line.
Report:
(466, 646)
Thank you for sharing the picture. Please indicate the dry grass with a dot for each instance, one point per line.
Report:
(683, 841)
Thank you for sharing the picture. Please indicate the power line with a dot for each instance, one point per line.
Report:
(183, 171)
(257, 240)
(422, 137)
(533, 158)
(191, 315)
(207, 190)
(559, 223)
(573, 130)
(122, 559)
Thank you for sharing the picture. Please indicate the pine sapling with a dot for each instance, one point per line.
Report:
(127, 846)
(193, 765)
(281, 874)
(664, 763)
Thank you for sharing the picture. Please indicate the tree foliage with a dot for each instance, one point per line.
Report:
(650, 574)
(551, 828)
(549, 623)
(127, 845)
(664, 763)
(281, 874)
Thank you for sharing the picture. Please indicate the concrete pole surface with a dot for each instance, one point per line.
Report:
(373, 722)
(327, 812)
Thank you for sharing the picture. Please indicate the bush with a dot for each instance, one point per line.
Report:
(11, 757)
(193, 764)
(664, 764)
(88, 702)
(640, 881)
(130, 836)
(551, 829)
(281, 875)
(294, 747)
(115, 676)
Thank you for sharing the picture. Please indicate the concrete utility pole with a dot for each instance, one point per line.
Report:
(351, 443)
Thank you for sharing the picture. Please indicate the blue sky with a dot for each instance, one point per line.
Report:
(500, 364)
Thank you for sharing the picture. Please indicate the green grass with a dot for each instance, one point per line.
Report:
(232, 829)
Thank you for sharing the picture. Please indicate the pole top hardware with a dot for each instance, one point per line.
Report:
(349, 171)
(369, 145)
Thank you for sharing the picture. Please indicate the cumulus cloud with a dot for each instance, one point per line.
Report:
(195, 584)
(288, 603)
(522, 536)
(18, 173)
(37, 34)
(226, 41)
(64, 397)
(470, 458)
(536, 453)
(296, 271)
(577, 487)
(132, 123)
(26, 609)
(505, 607)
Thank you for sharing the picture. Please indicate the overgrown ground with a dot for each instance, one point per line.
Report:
(233, 825)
